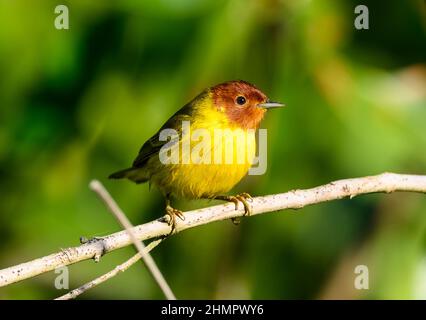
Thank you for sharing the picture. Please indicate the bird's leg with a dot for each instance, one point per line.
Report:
(173, 213)
(243, 197)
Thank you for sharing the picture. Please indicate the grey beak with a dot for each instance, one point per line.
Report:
(270, 104)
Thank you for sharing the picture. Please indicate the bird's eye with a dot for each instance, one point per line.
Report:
(241, 100)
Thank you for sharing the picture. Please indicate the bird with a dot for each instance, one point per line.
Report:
(233, 108)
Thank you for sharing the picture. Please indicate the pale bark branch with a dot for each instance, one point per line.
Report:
(120, 268)
(100, 190)
(94, 249)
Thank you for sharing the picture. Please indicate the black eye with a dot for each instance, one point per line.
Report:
(241, 100)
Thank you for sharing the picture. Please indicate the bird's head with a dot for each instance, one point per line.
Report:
(242, 102)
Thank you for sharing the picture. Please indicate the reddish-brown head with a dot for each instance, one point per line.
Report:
(241, 101)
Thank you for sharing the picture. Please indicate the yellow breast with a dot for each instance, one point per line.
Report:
(213, 158)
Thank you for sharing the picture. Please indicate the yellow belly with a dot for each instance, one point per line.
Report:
(212, 168)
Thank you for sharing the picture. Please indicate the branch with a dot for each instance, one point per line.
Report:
(100, 190)
(120, 268)
(94, 249)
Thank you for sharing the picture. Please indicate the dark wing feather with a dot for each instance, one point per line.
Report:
(153, 145)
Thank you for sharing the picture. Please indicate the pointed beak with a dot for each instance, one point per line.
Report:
(269, 105)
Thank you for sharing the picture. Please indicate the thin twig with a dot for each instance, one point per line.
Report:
(94, 249)
(120, 268)
(100, 190)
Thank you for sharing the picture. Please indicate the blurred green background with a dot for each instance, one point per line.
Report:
(77, 104)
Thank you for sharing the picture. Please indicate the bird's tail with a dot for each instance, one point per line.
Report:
(135, 174)
(120, 174)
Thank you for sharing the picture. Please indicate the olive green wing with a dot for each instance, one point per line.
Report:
(153, 145)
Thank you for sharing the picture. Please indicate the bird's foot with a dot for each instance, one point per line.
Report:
(171, 214)
(243, 198)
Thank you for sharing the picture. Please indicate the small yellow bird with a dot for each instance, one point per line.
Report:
(201, 168)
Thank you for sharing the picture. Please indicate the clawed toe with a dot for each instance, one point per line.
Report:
(172, 213)
(247, 207)
(243, 198)
(246, 196)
